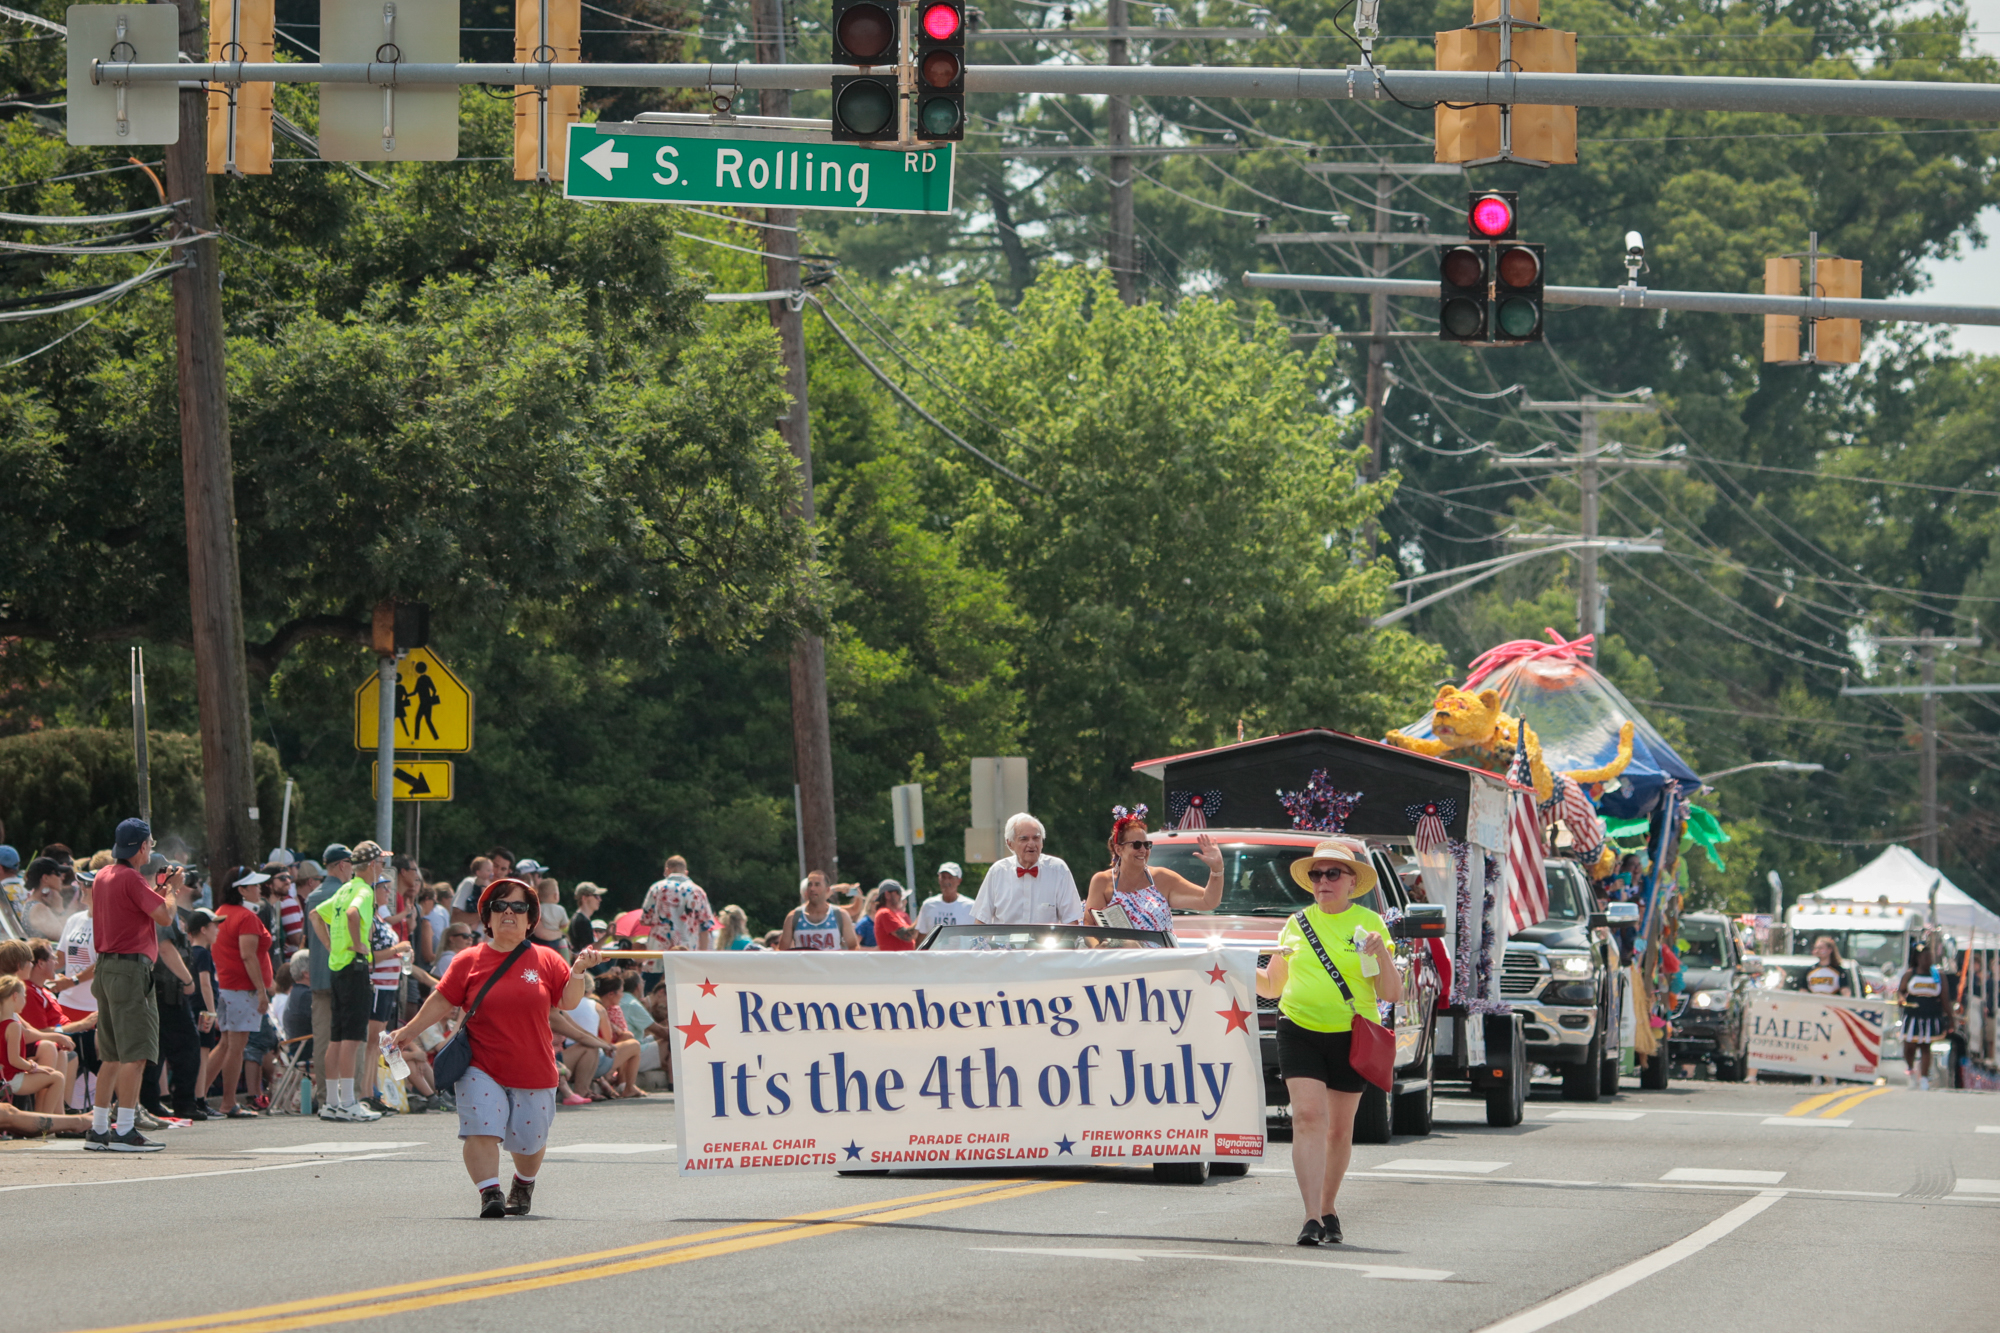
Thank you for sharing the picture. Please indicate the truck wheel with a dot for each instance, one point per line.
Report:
(1371, 1118)
(1585, 1082)
(1413, 1111)
(1506, 1104)
(1229, 1168)
(1180, 1173)
(1653, 1073)
(1608, 1079)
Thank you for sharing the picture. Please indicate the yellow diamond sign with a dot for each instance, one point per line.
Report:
(433, 708)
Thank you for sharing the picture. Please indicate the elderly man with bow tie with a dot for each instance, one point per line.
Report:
(1027, 888)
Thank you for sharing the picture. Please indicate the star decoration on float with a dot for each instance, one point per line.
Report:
(1237, 1015)
(693, 1031)
(1216, 974)
(707, 986)
(853, 1151)
(1319, 807)
(1065, 1144)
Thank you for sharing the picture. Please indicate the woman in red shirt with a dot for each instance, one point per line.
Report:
(508, 1096)
(242, 953)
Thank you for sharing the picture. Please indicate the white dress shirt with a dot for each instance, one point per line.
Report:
(1045, 897)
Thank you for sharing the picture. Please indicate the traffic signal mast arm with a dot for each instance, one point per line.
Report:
(1812, 97)
(1642, 298)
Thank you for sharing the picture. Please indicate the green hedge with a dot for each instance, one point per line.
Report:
(73, 784)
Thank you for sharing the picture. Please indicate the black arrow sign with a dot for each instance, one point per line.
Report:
(418, 784)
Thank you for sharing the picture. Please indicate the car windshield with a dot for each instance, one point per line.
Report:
(1701, 944)
(1870, 948)
(1568, 898)
(1257, 877)
(1045, 937)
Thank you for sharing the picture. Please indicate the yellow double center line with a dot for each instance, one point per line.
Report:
(517, 1279)
(1842, 1099)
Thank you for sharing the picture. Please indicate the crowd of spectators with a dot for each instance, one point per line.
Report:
(271, 986)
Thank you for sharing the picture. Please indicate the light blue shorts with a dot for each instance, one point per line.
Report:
(518, 1117)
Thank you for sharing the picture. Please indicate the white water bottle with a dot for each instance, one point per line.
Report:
(392, 1055)
(1362, 935)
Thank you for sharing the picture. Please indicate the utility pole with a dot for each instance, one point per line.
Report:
(1927, 645)
(1587, 462)
(215, 593)
(812, 738)
(1378, 325)
(1123, 249)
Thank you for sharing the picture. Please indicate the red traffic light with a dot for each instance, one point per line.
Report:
(1492, 216)
(941, 22)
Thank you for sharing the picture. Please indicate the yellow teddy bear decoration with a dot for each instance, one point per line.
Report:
(1475, 726)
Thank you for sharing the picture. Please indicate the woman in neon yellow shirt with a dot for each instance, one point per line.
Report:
(1315, 1019)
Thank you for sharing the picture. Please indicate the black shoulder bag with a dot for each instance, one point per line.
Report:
(450, 1061)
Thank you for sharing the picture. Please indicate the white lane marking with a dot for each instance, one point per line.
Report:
(613, 1147)
(1709, 1176)
(1801, 1122)
(1617, 1184)
(1383, 1271)
(1594, 1115)
(1618, 1279)
(1439, 1164)
(1987, 1129)
(1976, 1187)
(194, 1175)
(333, 1146)
(57, 1145)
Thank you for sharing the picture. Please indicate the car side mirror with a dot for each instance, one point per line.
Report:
(1598, 920)
(1420, 921)
(1620, 914)
(1751, 963)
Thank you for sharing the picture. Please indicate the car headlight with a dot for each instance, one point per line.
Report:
(1571, 965)
(1711, 999)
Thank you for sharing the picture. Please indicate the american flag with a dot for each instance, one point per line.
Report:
(1527, 888)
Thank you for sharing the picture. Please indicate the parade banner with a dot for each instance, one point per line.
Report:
(950, 1059)
(1795, 1032)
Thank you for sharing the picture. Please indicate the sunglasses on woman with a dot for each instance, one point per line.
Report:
(1338, 872)
(1139, 844)
(513, 906)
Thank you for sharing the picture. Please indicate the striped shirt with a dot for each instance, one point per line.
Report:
(291, 916)
(387, 972)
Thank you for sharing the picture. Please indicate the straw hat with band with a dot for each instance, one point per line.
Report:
(1345, 851)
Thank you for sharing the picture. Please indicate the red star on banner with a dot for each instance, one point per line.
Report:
(707, 986)
(1237, 1015)
(694, 1030)
(1216, 974)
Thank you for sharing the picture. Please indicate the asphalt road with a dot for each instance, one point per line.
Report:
(1750, 1206)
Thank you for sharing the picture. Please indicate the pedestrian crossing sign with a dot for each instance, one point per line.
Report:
(432, 706)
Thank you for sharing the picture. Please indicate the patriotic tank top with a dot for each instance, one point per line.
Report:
(1146, 908)
(821, 934)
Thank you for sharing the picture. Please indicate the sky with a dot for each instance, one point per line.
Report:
(1974, 277)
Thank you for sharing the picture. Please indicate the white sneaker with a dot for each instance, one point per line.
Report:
(361, 1113)
(1923, 1085)
(330, 1113)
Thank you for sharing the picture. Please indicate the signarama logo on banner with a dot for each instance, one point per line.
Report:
(1008, 1059)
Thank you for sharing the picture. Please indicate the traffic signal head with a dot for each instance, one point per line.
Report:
(864, 107)
(864, 32)
(1462, 292)
(940, 62)
(1517, 293)
(1490, 216)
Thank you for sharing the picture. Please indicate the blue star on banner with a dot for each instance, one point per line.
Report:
(853, 1150)
(1064, 1144)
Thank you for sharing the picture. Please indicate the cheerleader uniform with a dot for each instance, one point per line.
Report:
(1923, 1019)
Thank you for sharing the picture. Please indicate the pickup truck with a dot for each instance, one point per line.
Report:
(1563, 977)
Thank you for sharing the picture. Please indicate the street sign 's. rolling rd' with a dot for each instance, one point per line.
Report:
(745, 168)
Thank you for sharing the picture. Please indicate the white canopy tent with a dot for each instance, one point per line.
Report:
(1901, 877)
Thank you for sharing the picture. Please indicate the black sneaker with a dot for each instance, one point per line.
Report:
(492, 1203)
(520, 1198)
(133, 1141)
(1310, 1233)
(1330, 1228)
(96, 1140)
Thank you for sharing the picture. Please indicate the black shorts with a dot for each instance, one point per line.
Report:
(353, 1003)
(1304, 1053)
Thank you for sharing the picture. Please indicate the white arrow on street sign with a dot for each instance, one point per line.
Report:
(605, 158)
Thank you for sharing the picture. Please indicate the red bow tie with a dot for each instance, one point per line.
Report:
(1034, 870)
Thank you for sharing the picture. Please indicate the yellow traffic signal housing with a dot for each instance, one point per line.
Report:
(1538, 135)
(239, 131)
(545, 31)
(1832, 341)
